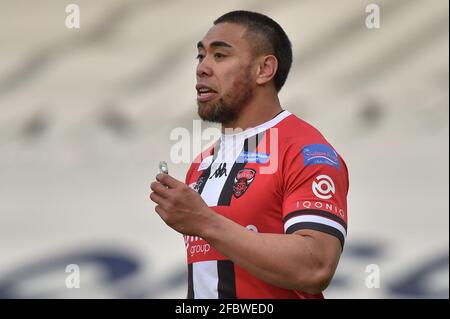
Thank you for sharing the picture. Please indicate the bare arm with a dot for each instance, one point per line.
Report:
(305, 260)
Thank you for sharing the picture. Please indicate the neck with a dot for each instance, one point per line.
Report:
(262, 108)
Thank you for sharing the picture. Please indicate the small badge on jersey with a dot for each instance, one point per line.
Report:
(242, 181)
(320, 154)
(198, 184)
(252, 157)
(205, 163)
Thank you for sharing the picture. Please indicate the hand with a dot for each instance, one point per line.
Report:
(178, 205)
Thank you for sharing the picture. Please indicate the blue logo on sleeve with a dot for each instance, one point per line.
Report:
(252, 157)
(320, 154)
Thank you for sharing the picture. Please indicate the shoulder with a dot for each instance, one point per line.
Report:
(295, 130)
(295, 133)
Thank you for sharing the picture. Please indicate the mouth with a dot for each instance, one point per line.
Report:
(205, 93)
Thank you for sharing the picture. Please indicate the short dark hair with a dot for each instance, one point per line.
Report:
(269, 37)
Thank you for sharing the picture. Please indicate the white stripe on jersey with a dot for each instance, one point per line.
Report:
(205, 279)
(314, 219)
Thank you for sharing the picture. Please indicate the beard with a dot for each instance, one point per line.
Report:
(230, 105)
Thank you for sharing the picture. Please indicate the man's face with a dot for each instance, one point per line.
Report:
(225, 83)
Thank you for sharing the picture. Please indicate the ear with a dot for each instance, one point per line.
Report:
(267, 68)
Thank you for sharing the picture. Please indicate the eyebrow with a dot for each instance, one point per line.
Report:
(214, 44)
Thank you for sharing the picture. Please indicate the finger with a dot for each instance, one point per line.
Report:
(160, 189)
(169, 181)
(158, 199)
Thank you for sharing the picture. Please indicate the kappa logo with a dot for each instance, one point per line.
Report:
(242, 181)
(220, 171)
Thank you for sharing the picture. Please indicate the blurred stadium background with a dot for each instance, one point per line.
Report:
(85, 117)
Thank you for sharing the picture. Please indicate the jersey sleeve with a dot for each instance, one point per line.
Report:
(315, 182)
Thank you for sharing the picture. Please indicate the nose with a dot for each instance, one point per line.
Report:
(204, 69)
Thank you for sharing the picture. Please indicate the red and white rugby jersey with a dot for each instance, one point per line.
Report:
(278, 177)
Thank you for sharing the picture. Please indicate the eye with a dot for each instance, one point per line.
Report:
(200, 57)
(218, 55)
